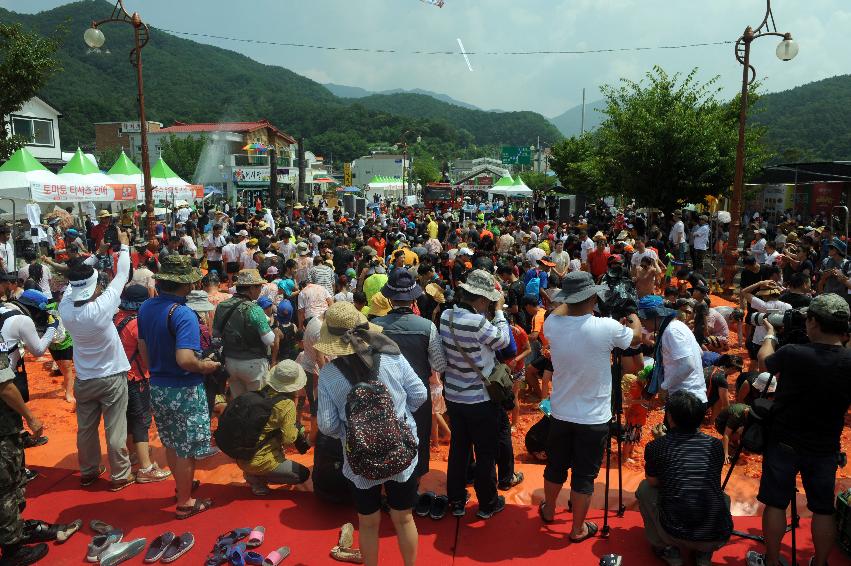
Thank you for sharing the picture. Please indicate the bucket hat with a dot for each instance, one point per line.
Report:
(578, 286)
(379, 305)
(302, 248)
(434, 291)
(249, 277)
(199, 301)
(179, 269)
(481, 283)
(401, 286)
(839, 246)
(651, 306)
(340, 318)
(132, 297)
(286, 377)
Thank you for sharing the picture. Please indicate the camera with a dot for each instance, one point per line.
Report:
(776, 319)
(791, 325)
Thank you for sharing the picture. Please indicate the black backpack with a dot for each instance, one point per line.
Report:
(759, 420)
(241, 425)
(378, 444)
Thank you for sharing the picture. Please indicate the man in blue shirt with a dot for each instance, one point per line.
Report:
(169, 342)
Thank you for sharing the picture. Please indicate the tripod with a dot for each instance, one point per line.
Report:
(791, 527)
(616, 428)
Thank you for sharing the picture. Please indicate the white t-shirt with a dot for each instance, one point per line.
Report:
(211, 243)
(229, 253)
(586, 246)
(678, 233)
(771, 258)
(700, 237)
(582, 376)
(638, 256)
(758, 250)
(681, 357)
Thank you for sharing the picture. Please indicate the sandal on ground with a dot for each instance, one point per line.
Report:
(592, 530)
(158, 547)
(276, 556)
(256, 537)
(346, 539)
(541, 514)
(352, 555)
(178, 547)
(186, 511)
(100, 527)
(229, 539)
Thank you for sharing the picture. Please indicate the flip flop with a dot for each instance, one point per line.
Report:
(256, 537)
(178, 547)
(541, 514)
(236, 554)
(276, 556)
(424, 502)
(158, 547)
(592, 530)
(229, 539)
(186, 511)
(100, 527)
(253, 558)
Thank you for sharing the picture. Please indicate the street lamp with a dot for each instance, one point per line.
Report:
(786, 51)
(95, 39)
(404, 143)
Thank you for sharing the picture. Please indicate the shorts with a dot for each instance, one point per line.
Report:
(519, 375)
(182, 419)
(543, 363)
(780, 466)
(232, 267)
(577, 447)
(139, 409)
(400, 496)
(62, 355)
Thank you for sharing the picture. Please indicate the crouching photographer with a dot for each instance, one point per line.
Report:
(813, 395)
(256, 426)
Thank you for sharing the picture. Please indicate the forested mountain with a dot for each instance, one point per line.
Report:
(810, 122)
(344, 91)
(569, 123)
(193, 82)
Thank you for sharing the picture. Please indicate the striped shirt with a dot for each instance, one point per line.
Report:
(323, 276)
(480, 340)
(406, 389)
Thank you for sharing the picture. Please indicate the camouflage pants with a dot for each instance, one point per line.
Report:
(11, 488)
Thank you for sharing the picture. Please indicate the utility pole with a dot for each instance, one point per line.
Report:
(582, 129)
(301, 171)
(273, 178)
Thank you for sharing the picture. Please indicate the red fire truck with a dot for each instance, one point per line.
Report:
(441, 197)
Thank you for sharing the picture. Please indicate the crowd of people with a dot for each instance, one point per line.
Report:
(370, 339)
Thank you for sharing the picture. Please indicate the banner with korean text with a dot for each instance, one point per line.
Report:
(59, 192)
(187, 192)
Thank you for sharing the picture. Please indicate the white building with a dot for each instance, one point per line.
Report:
(38, 122)
(377, 165)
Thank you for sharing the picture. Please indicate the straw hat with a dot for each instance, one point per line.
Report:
(249, 277)
(104, 214)
(339, 318)
(599, 236)
(286, 377)
(434, 291)
(298, 206)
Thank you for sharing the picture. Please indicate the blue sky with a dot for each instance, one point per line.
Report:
(548, 84)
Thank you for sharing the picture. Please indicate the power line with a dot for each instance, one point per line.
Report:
(424, 52)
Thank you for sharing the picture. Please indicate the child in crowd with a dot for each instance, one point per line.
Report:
(438, 408)
(635, 413)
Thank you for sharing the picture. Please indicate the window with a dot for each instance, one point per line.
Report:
(37, 131)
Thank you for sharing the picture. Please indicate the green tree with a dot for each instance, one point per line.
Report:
(541, 183)
(107, 156)
(183, 154)
(577, 165)
(27, 61)
(426, 171)
(668, 140)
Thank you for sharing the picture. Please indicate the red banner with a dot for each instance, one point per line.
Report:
(824, 196)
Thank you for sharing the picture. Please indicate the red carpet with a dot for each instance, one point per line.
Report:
(309, 527)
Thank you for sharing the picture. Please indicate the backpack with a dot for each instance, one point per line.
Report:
(533, 287)
(242, 423)
(756, 432)
(378, 444)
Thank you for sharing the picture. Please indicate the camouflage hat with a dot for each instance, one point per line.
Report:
(179, 269)
(830, 306)
(248, 277)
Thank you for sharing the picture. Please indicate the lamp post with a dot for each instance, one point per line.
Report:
(404, 143)
(786, 51)
(95, 39)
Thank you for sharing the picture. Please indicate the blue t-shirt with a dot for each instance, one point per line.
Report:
(163, 342)
(287, 286)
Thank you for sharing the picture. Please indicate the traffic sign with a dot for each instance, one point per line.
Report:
(516, 155)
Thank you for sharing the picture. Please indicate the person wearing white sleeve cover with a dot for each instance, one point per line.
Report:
(100, 387)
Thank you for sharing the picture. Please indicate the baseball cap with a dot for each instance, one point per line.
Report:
(264, 302)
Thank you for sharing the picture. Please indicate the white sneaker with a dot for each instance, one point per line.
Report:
(754, 558)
